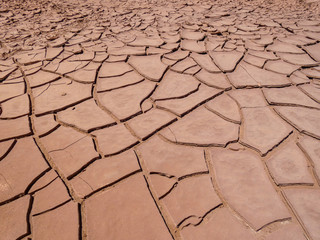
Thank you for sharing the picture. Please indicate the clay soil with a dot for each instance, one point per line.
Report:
(184, 120)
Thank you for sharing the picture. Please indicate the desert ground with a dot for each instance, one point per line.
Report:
(156, 120)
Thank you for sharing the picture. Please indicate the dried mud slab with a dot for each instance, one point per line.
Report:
(221, 225)
(150, 67)
(16, 176)
(59, 95)
(65, 219)
(15, 214)
(144, 221)
(69, 149)
(304, 119)
(262, 129)
(248, 187)
(125, 102)
(104, 172)
(202, 128)
(306, 208)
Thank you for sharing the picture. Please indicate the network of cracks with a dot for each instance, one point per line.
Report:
(183, 121)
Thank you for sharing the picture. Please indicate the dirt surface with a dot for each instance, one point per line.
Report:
(159, 120)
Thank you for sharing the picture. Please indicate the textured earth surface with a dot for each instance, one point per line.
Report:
(145, 120)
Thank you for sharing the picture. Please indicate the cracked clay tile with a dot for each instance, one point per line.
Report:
(168, 38)
(149, 123)
(52, 53)
(289, 96)
(110, 83)
(104, 172)
(69, 149)
(288, 166)
(60, 223)
(287, 232)
(183, 65)
(8, 91)
(240, 78)
(162, 184)
(192, 70)
(177, 55)
(59, 95)
(30, 69)
(305, 204)
(84, 56)
(4, 74)
(311, 73)
(114, 69)
(249, 98)
(262, 129)
(298, 79)
(148, 42)
(245, 186)
(312, 147)
(171, 46)
(85, 75)
(119, 58)
(107, 213)
(306, 120)
(181, 106)
(43, 181)
(298, 59)
(265, 78)
(216, 80)
(265, 54)
(192, 197)
(6, 147)
(29, 57)
(15, 107)
(41, 77)
(127, 50)
(192, 35)
(278, 46)
(155, 51)
(202, 128)
(49, 197)
(14, 215)
(250, 45)
(44, 124)
(171, 159)
(193, 46)
(226, 61)
(16, 173)
(14, 128)
(114, 139)
(225, 107)
(253, 60)
(68, 67)
(313, 51)
(86, 116)
(221, 224)
(175, 85)
(150, 66)
(125, 102)
(298, 40)
(312, 91)
(205, 62)
(281, 67)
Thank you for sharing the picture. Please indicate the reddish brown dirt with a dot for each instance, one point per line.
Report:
(159, 120)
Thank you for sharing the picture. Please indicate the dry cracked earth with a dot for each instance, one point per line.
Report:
(159, 120)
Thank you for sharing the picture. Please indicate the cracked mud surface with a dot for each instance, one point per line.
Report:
(159, 120)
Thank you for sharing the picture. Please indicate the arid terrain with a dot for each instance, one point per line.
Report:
(156, 120)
